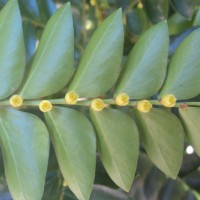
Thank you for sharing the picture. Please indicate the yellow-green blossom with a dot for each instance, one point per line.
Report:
(144, 106)
(122, 99)
(97, 105)
(168, 100)
(71, 98)
(45, 106)
(16, 101)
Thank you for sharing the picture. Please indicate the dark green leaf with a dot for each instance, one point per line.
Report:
(184, 7)
(53, 186)
(74, 141)
(118, 145)
(184, 69)
(29, 8)
(12, 50)
(53, 62)
(163, 137)
(145, 69)
(157, 10)
(190, 118)
(172, 190)
(100, 65)
(136, 21)
(25, 146)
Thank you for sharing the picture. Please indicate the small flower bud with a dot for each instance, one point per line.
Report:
(71, 98)
(16, 101)
(144, 106)
(168, 100)
(140, 5)
(93, 2)
(45, 106)
(97, 105)
(122, 99)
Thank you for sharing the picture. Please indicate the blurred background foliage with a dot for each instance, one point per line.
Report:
(183, 16)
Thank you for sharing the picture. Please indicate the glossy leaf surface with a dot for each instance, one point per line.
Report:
(118, 145)
(190, 117)
(12, 50)
(101, 60)
(184, 69)
(145, 69)
(53, 61)
(25, 146)
(74, 142)
(163, 137)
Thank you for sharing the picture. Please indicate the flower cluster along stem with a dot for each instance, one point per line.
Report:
(72, 99)
(87, 102)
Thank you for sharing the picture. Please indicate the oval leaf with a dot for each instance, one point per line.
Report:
(184, 69)
(118, 144)
(74, 141)
(53, 62)
(163, 138)
(25, 145)
(157, 10)
(184, 7)
(190, 118)
(145, 69)
(12, 50)
(101, 60)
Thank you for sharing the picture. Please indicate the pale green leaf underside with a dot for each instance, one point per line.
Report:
(12, 50)
(183, 75)
(118, 145)
(52, 65)
(145, 69)
(163, 138)
(100, 65)
(25, 145)
(74, 142)
(190, 118)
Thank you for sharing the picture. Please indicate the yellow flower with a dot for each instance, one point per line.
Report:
(93, 2)
(140, 5)
(16, 101)
(168, 100)
(144, 106)
(97, 104)
(45, 106)
(122, 99)
(71, 97)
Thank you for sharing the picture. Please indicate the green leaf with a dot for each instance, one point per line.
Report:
(136, 21)
(163, 137)
(184, 69)
(145, 69)
(118, 145)
(74, 142)
(190, 118)
(184, 7)
(157, 10)
(101, 60)
(53, 186)
(12, 50)
(53, 62)
(25, 145)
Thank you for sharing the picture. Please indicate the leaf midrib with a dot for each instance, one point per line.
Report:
(41, 55)
(69, 164)
(110, 149)
(78, 80)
